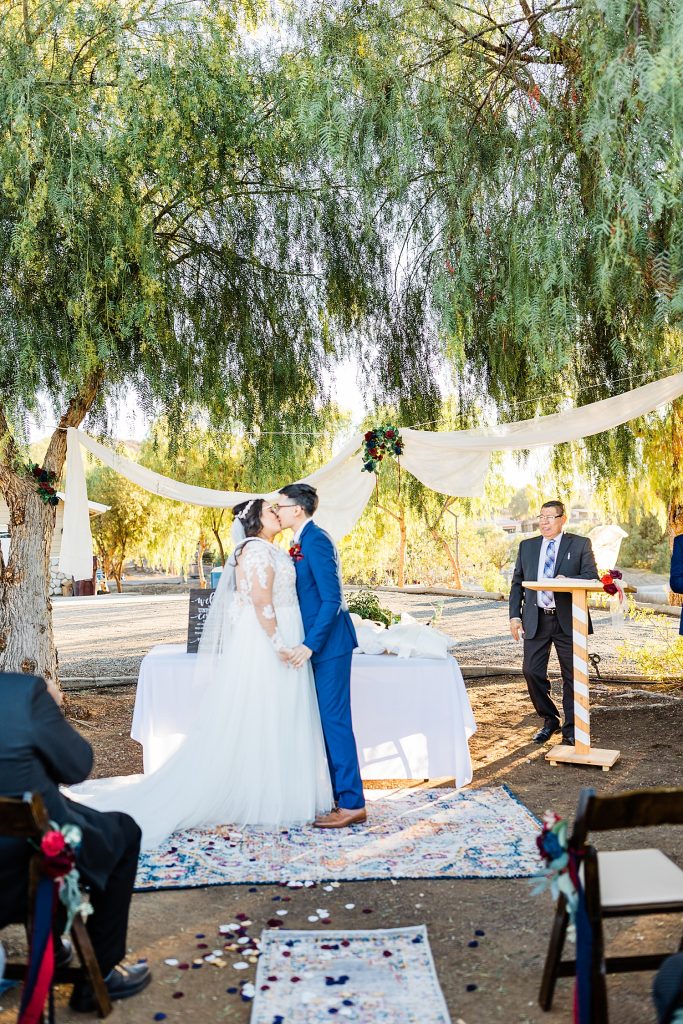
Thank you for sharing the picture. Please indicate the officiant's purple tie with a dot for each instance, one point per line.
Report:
(548, 573)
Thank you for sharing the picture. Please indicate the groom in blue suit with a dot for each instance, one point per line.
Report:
(329, 641)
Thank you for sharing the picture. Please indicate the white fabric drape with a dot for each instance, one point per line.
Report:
(342, 489)
(452, 462)
(455, 462)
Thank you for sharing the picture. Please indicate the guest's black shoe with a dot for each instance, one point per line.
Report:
(122, 983)
(64, 953)
(544, 734)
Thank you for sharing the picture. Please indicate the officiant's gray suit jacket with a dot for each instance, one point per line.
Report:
(575, 558)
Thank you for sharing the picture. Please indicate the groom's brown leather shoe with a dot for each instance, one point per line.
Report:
(342, 817)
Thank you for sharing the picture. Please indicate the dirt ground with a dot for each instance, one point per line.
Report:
(646, 725)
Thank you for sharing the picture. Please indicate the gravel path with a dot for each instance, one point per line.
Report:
(107, 636)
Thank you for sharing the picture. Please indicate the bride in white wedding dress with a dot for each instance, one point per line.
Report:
(254, 754)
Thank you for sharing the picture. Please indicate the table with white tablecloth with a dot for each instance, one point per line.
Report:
(411, 716)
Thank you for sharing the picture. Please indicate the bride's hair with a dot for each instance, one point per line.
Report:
(249, 514)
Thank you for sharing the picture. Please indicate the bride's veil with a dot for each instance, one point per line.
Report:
(219, 621)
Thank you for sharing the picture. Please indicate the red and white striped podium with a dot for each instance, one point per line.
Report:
(582, 752)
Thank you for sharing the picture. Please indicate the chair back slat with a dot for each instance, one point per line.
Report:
(24, 818)
(634, 809)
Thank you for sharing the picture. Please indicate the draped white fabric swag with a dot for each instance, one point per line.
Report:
(450, 462)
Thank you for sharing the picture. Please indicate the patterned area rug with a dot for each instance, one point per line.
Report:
(382, 976)
(436, 833)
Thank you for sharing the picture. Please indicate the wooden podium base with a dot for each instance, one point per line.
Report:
(604, 759)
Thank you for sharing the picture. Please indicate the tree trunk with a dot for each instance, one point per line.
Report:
(221, 549)
(401, 581)
(118, 573)
(201, 548)
(455, 567)
(26, 638)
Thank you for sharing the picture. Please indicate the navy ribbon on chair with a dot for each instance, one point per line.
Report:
(583, 1002)
(41, 964)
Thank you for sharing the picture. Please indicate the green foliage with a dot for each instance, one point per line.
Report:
(662, 656)
(528, 162)
(366, 604)
(647, 544)
(120, 531)
(166, 223)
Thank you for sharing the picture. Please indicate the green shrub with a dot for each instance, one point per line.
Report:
(647, 545)
(366, 604)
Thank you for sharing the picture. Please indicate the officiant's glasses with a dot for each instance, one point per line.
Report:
(548, 519)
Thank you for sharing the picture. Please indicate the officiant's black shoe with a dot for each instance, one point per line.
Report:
(121, 983)
(544, 734)
(568, 739)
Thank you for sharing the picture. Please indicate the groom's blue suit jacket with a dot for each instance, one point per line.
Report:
(329, 631)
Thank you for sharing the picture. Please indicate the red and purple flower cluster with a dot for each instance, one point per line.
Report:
(378, 444)
(608, 584)
(58, 857)
(46, 481)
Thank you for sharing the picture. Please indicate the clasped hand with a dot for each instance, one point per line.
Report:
(296, 656)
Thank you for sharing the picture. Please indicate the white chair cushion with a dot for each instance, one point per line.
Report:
(636, 878)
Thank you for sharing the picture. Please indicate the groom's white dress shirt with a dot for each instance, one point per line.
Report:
(297, 535)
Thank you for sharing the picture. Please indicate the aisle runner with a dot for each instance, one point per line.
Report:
(363, 976)
(436, 833)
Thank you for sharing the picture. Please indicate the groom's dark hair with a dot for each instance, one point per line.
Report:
(302, 494)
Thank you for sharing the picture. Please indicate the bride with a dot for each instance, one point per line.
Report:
(254, 753)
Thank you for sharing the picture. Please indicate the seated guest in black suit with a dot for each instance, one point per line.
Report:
(38, 751)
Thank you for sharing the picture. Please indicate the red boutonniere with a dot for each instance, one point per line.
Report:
(295, 553)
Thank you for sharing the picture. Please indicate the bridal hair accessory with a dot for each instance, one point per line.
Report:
(245, 511)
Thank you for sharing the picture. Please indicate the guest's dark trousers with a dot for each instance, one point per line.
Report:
(535, 668)
(108, 924)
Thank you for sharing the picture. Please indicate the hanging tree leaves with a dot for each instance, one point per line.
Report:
(529, 161)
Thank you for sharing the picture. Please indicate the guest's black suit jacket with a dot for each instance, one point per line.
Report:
(575, 558)
(39, 750)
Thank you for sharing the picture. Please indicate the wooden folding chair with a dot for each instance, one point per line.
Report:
(624, 883)
(27, 819)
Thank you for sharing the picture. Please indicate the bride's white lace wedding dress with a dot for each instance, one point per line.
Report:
(254, 753)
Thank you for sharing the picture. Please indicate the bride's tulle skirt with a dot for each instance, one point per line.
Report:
(253, 755)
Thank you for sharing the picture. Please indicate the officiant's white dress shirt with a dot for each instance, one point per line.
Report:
(541, 562)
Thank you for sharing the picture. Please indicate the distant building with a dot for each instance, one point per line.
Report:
(56, 577)
(505, 523)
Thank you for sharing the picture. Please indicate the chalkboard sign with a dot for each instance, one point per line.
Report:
(200, 602)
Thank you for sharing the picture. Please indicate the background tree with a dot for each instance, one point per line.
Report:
(118, 532)
(524, 155)
(165, 227)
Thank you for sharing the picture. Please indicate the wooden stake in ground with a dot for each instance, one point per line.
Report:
(582, 752)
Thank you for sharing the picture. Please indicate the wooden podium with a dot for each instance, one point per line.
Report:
(582, 752)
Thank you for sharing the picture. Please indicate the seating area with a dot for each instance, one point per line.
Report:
(27, 819)
(617, 883)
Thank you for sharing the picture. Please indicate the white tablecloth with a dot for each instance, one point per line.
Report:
(411, 716)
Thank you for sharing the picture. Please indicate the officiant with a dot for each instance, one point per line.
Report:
(543, 619)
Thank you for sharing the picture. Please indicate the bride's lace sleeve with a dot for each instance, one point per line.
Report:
(255, 576)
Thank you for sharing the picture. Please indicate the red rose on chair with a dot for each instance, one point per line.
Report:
(295, 553)
(52, 843)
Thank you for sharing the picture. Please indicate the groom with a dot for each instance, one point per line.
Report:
(329, 642)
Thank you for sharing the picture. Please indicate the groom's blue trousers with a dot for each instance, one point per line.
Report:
(333, 687)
